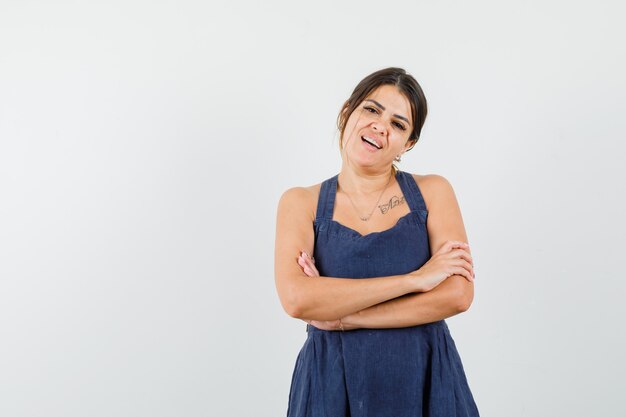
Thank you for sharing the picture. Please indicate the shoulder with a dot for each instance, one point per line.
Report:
(300, 199)
(434, 188)
(300, 195)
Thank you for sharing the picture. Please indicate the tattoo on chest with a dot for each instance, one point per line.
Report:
(393, 202)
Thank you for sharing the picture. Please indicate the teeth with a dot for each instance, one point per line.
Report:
(370, 141)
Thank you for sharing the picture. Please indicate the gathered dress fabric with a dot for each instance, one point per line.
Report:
(403, 372)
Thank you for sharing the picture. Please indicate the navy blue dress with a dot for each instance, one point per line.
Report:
(404, 372)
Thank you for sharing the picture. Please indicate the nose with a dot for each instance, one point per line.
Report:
(379, 128)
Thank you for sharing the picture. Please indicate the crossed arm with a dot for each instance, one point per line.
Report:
(453, 296)
(402, 311)
(373, 302)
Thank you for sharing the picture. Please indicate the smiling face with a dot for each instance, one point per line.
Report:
(378, 129)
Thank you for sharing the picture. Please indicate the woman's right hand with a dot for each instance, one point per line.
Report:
(453, 258)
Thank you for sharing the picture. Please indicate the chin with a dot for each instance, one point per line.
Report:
(365, 163)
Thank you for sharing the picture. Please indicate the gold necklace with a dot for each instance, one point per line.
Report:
(375, 205)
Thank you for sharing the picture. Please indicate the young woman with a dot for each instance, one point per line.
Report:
(374, 259)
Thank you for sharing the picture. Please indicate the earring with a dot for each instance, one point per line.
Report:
(398, 158)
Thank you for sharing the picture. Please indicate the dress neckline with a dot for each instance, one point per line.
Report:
(334, 185)
(398, 222)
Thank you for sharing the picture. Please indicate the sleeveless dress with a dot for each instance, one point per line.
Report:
(403, 372)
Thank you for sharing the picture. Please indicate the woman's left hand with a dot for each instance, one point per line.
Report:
(307, 263)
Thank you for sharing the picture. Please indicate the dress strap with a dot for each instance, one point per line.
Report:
(411, 191)
(326, 200)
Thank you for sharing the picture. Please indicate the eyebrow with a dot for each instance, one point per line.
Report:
(383, 108)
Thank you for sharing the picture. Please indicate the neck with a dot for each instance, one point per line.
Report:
(363, 182)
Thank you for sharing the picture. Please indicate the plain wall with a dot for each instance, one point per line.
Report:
(144, 147)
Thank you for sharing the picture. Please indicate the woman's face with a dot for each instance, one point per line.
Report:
(378, 129)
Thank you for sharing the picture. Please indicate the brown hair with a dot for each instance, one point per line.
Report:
(388, 76)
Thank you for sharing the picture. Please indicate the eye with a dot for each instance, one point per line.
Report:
(371, 109)
(399, 125)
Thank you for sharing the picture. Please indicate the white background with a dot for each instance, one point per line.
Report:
(144, 146)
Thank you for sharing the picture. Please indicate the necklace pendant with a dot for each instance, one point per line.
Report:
(364, 218)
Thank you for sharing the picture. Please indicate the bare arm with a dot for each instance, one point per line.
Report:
(448, 299)
(323, 298)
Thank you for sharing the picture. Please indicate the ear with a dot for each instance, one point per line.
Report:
(409, 145)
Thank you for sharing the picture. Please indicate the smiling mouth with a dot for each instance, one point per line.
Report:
(371, 142)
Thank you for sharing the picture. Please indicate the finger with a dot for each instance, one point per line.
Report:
(306, 268)
(311, 265)
(458, 253)
(468, 257)
(303, 255)
(305, 262)
(314, 271)
(463, 272)
(462, 253)
(451, 244)
(469, 267)
(456, 243)
(307, 256)
(308, 261)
